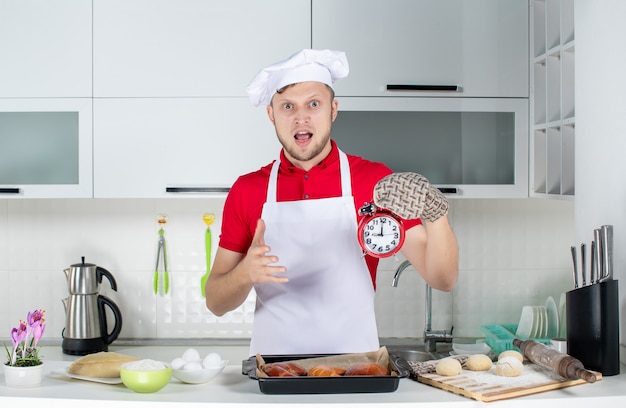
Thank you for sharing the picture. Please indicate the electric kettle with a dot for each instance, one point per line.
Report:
(85, 278)
(86, 328)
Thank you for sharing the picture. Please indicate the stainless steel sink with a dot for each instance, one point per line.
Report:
(414, 355)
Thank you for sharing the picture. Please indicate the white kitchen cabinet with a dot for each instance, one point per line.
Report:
(192, 48)
(145, 146)
(45, 48)
(479, 46)
(45, 147)
(469, 148)
(552, 100)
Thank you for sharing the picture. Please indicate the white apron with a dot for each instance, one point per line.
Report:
(328, 304)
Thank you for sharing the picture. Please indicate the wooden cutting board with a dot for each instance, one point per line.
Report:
(487, 386)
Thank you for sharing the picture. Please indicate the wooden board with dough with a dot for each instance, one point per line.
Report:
(487, 386)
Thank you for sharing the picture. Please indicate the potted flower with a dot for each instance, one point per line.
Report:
(24, 368)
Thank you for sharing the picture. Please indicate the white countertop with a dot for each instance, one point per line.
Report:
(236, 390)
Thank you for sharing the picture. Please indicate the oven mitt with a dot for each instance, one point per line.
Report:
(410, 196)
(426, 367)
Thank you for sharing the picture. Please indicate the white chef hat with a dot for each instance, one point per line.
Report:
(326, 66)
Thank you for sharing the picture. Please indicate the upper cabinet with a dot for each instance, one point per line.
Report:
(45, 48)
(461, 48)
(173, 147)
(552, 100)
(45, 147)
(192, 48)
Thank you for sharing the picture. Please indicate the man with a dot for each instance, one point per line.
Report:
(289, 230)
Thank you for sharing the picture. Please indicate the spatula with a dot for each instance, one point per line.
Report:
(208, 219)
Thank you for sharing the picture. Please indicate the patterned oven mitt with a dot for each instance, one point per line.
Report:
(410, 196)
(425, 367)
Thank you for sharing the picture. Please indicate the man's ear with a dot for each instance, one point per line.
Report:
(270, 113)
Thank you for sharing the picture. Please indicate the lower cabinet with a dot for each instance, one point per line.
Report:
(173, 147)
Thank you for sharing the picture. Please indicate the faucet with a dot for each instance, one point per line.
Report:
(431, 337)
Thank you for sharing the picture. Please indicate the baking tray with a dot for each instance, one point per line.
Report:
(325, 385)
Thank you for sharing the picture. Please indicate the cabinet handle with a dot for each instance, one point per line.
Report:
(447, 190)
(9, 190)
(393, 87)
(197, 189)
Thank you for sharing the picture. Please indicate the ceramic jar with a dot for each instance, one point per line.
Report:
(23, 376)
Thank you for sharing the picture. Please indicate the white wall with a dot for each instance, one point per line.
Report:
(512, 253)
(600, 131)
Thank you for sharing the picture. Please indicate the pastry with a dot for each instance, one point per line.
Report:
(325, 370)
(104, 364)
(509, 367)
(448, 366)
(478, 362)
(284, 369)
(367, 369)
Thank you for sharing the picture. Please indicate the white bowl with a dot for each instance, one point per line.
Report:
(471, 348)
(200, 376)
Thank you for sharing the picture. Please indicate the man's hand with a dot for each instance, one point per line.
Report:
(257, 262)
(410, 196)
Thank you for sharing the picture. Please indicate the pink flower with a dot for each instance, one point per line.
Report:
(25, 338)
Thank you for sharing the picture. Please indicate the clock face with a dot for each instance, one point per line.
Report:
(381, 235)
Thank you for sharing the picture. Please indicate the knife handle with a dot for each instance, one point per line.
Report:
(583, 263)
(574, 257)
(597, 237)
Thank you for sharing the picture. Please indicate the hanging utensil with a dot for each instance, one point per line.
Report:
(161, 256)
(208, 219)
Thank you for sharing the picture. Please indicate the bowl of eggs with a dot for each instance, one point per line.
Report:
(192, 368)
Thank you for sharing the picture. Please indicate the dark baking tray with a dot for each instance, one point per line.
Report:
(325, 385)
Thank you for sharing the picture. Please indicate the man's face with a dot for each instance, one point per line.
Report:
(303, 115)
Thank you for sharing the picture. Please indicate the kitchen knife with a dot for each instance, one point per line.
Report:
(592, 263)
(583, 263)
(607, 252)
(598, 251)
(573, 249)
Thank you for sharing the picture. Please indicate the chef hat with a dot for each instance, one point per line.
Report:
(326, 66)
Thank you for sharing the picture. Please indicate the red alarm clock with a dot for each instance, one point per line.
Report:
(380, 232)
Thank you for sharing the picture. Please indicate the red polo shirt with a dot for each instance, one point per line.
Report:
(244, 203)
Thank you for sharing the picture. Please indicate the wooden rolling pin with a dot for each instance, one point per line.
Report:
(563, 364)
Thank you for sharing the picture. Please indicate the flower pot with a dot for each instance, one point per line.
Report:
(23, 376)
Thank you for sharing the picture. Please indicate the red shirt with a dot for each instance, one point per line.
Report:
(244, 203)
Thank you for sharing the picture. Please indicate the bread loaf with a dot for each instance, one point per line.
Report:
(284, 369)
(104, 364)
(325, 370)
(367, 369)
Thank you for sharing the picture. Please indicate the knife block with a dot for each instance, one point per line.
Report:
(592, 314)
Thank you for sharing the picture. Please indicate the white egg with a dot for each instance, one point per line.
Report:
(178, 363)
(191, 354)
(192, 365)
(212, 360)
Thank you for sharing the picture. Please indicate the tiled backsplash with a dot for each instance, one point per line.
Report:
(512, 252)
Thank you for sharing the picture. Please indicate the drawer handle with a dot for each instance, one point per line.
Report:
(447, 190)
(9, 190)
(197, 189)
(453, 88)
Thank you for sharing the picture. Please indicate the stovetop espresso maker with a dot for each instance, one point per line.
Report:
(86, 329)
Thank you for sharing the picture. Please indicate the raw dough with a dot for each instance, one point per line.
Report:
(448, 366)
(509, 367)
(512, 353)
(478, 362)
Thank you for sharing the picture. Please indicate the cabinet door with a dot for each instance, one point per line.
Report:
(470, 148)
(155, 48)
(45, 148)
(45, 48)
(481, 46)
(142, 146)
